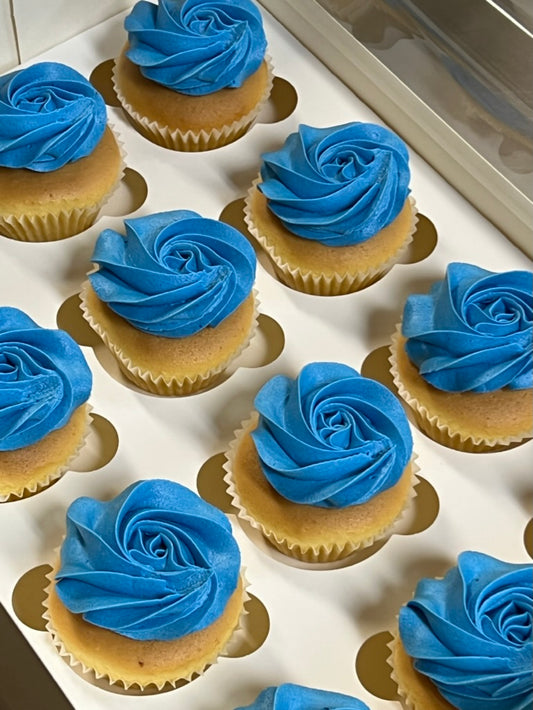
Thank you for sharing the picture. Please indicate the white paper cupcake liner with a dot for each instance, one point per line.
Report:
(37, 486)
(53, 227)
(94, 674)
(430, 423)
(429, 696)
(404, 699)
(194, 141)
(321, 284)
(157, 384)
(305, 553)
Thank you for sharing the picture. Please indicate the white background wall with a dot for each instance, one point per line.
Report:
(8, 46)
(37, 26)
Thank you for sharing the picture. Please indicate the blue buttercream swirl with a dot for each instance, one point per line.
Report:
(154, 563)
(471, 633)
(196, 47)
(174, 273)
(289, 696)
(473, 331)
(44, 378)
(50, 115)
(330, 438)
(338, 185)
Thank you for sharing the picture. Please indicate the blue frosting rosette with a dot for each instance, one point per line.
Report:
(50, 115)
(174, 273)
(331, 437)
(289, 696)
(473, 332)
(338, 185)
(196, 47)
(471, 633)
(44, 378)
(155, 563)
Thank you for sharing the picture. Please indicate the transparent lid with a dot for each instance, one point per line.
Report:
(471, 62)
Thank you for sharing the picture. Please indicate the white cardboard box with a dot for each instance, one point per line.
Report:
(318, 618)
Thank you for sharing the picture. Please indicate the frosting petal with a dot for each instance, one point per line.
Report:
(43, 378)
(473, 331)
(471, 633)
(338, 185)
(196, 47)
(331, 437)
(175, 273)
(50, 115)
(155, 563)
(289, 696)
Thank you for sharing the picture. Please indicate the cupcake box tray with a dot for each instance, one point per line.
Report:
(307, 625)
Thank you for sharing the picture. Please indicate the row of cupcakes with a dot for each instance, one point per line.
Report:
(148, 590)
(331, 207)
(174, 302)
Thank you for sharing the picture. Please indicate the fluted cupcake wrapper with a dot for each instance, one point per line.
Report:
(112, 679)
(402, 692)
(53, 227)
(305, 553)
(157, 384)
(433, 426)
(320, 284)
(406, 703)
(194, 141)
(37, 485)
(423, 694)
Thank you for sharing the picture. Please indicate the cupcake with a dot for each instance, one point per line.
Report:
(332, 207)
(462, 358)
(298, 697)
(59, 160)
(45, 383)
(193, 74)
(173, 299)
(465, 641)
(148, 588)
(324, 465)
